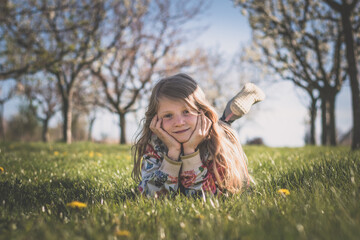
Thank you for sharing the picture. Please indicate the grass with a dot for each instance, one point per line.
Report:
(39, 180)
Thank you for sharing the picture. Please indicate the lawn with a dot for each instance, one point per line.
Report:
(38, 181)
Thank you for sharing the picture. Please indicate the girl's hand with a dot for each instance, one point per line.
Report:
(200, 133)
(173, 146)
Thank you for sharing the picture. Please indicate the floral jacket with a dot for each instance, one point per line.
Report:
(161, 175)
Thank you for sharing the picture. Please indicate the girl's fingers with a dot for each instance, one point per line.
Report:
(158, 124)
(153, 123)
(161, 132)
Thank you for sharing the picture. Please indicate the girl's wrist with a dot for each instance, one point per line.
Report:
(173, 154)
(188, 151)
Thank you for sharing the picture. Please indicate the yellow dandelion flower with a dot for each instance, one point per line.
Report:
(56, 153)
(284, 191)
(91, 154)
(98, 154)
(2, 169)
(76, 204)
(199, 216)
(123, 233)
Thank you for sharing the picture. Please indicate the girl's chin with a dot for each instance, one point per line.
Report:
(182, 139)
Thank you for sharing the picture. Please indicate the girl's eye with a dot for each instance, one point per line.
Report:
(167, 116)
(186, 111)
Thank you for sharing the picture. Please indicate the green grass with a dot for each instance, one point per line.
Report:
(40, 179)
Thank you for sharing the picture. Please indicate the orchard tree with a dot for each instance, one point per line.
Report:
(7, 91)
(44, 100)
(350, 19)
(61, 38)
(298, 42)
(26, 45)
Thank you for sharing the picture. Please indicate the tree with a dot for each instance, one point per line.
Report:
(44, 100)
(300, 45)
(350, 20)
(103, 21)
(5, 95)
(147, 49)
(87, 100)
(23, 126)
(61, 38)
(26, 46)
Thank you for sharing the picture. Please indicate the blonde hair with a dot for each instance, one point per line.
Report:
(222, 145)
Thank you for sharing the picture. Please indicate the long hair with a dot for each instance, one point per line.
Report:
(221, 146)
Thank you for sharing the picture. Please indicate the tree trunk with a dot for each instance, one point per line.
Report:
(45, 131)
(353, 71)
(91, 125)
(313, 112)
(332, 124)
(67, 115)
(324, 121)
(328, 136)
(74, 126)
(122, 128)
(2, 128)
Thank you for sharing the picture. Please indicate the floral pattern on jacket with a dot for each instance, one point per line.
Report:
(160, 175)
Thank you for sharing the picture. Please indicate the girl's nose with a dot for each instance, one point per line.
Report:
(179, 120)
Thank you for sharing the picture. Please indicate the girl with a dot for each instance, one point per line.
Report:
(183, 147)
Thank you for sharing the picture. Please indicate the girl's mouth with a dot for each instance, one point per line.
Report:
(181, 131)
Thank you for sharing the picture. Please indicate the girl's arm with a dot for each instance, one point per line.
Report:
(196, 177)
(159, 173)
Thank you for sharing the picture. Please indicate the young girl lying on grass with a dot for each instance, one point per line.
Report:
(183, 147)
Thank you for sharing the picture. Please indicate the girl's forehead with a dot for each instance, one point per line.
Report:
(166, 103)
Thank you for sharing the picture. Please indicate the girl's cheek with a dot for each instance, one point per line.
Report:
(166, 122)
(191, 117)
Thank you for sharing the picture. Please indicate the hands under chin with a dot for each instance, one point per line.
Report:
(201, 131)
(174, 147)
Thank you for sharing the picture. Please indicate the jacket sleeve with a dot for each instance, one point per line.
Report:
(196, 177)
(159, 174)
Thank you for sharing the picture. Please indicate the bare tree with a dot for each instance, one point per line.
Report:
(104, 22)
(298, 44)
(350, 20)
(87, 100)
(26, 45)
(147, 49)
(5, 95)
(61, 38)
(44, 100)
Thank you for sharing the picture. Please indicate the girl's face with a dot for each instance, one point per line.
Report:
(178, 119)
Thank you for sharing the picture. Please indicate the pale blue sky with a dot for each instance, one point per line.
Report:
(279, 120)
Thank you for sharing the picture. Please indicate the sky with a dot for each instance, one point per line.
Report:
(278, 120)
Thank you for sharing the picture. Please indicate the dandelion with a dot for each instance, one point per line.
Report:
(123, 233)
(91, 154)
(199, 216)
(1, 170)
(284, 192)
(98, 154)
(56, 153)
(76, 204)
